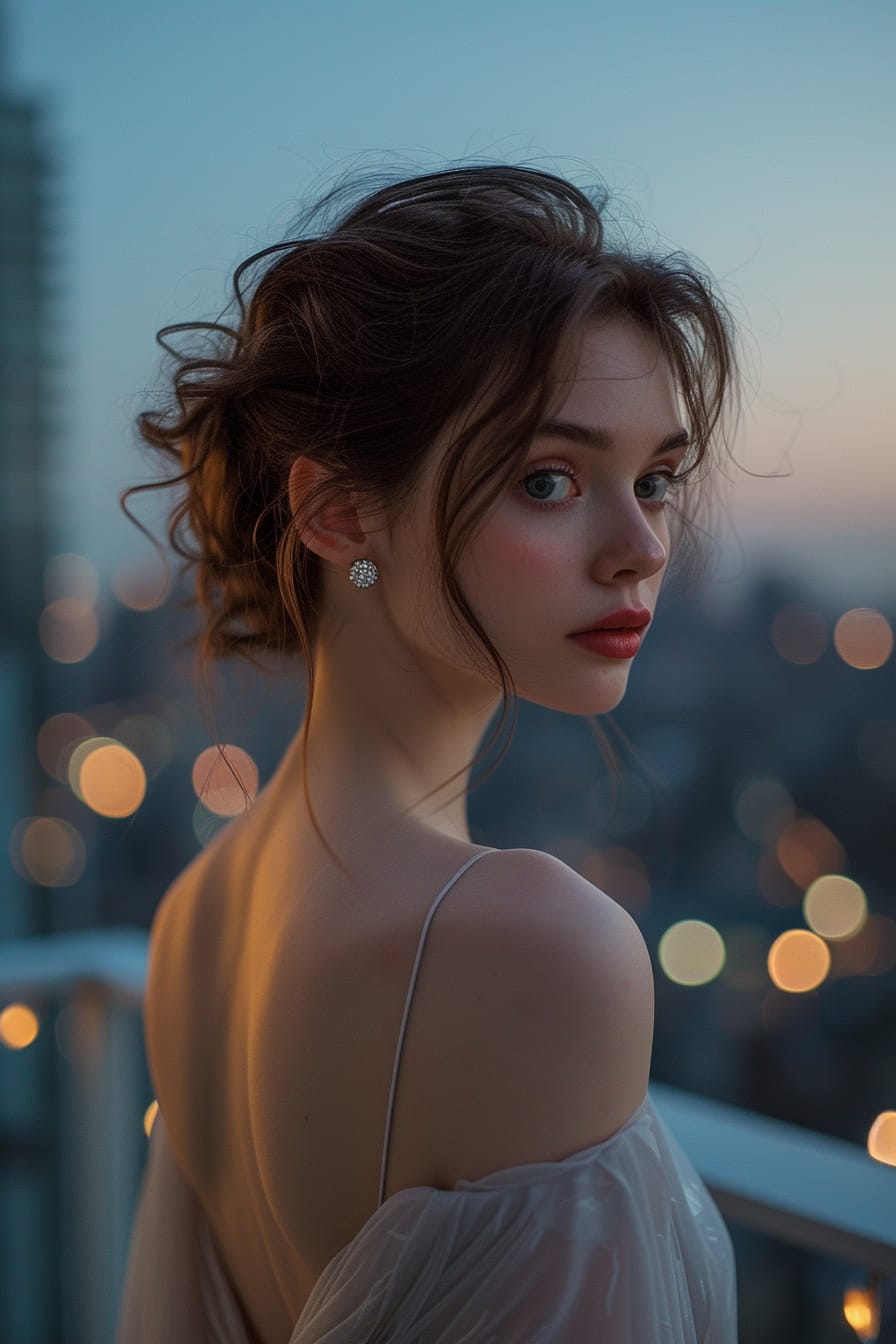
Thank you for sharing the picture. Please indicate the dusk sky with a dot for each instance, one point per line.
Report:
(758, 138)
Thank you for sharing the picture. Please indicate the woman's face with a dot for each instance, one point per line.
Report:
(580, 535)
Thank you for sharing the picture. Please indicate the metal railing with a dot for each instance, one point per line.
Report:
(794, 1184)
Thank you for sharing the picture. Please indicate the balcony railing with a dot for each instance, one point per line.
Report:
(786, 1182)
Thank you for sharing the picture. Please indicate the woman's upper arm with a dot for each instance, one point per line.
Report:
(555, 1025)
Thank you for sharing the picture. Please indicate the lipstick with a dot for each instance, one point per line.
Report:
(610, 643)
(617, 635)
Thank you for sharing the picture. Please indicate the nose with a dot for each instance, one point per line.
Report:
(632, 546)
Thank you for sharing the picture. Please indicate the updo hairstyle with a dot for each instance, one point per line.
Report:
(458, 296)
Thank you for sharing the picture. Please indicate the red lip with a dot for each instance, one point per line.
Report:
(630, 618)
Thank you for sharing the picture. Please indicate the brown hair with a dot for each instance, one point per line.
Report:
(462, 291)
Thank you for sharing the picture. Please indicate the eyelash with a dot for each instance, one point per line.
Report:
(671, 479)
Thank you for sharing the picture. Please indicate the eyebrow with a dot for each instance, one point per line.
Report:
(595, 437)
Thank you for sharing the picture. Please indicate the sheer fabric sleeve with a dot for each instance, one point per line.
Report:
(174, 1288)
(618, 1244)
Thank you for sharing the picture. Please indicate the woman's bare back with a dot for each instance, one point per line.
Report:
(274, 1007)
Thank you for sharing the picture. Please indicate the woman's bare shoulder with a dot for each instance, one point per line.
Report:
(530, 884)
(553, 1032)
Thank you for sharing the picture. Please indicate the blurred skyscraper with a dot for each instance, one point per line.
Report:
(28, 1195)
(25, 230)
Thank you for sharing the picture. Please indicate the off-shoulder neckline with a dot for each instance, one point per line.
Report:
(527, 1172)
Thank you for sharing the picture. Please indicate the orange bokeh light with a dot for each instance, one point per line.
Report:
(68, 630)
(882, 1138)
(19, 1026)
(48, 851)
(798, 961)
(110, 779)
(221, 783)
(863, 638)
(861, 1308)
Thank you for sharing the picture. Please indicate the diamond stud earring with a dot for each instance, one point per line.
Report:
(363, 573)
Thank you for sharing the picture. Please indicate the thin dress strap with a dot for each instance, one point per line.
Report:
(407, 1008)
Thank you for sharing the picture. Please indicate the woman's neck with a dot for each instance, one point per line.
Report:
(382, 737)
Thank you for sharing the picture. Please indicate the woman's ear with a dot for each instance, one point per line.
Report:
(332, 530)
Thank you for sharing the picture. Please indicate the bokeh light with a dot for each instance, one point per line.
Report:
(762, 806)
(221, 781)
(19, 1026)
(71, 575)
(799, 633)
(691, 952)
(861, 1308)
(882, 1138)
(140, 587)
(79, 755)
(68, 630)
(806, 849)
(835, 906)
(47, 851)
(863, 638)
(149, 1117)
(798, 961)
(108, 777)
(56, 739)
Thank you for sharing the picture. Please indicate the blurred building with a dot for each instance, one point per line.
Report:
(28, 1197)
(25, 231)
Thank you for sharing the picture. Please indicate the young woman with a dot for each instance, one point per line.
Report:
(451, 432)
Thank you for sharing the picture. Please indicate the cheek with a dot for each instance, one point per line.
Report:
(512, 554)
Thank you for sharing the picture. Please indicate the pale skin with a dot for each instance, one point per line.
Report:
(399, 706)
(280, 1041)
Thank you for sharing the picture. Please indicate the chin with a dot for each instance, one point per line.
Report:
(581, 700)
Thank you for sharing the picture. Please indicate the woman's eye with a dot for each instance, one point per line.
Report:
(666, 481)
(544, 489)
